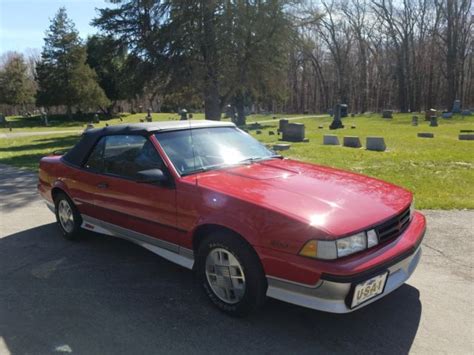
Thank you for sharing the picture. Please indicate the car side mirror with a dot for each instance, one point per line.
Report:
(151, 176)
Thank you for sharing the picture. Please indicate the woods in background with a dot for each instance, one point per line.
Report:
(273, 55)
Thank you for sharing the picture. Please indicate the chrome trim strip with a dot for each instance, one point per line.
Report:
(170, 251)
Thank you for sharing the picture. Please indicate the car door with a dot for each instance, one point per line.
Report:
(146, 208)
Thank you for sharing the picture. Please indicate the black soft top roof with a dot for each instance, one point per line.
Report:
(79, 152)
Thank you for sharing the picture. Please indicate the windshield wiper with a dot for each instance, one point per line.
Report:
(255, 159)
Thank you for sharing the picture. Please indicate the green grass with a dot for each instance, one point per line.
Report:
(61, 123)
(439, 171)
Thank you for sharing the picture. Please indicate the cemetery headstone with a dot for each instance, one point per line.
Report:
(414, 121)
(229, 112)
(353, 127)
(336, 122)
(376, 143)
(281, 146)
(344, 110)
(466, 113)
(425, 135)
(258, 132)
(447, 115)
(148, 117)
(320, 127)
(351, 142)
(434, 121)
(294, 132)
(466, 137)
(89, 126)
(190, 116)
(271, 133)
(184, 114)
(282, 125)
(3, 120)
(429, 113)
(457, 106)
(96, 118)
(330, 139)
(387, 114)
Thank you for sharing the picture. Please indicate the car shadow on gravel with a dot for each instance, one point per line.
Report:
(107, 296)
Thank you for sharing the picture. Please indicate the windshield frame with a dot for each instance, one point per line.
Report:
(247, 161)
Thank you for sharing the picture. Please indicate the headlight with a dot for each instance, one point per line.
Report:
(333, 249)
(351, 245)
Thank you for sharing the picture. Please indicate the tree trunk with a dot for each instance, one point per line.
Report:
(240, 107)
(209, 50)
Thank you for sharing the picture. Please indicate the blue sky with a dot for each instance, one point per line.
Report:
(23, 22)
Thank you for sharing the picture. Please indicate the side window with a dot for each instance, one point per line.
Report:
(95, 162)
(125, 155)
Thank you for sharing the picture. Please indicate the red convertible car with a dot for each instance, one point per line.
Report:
(250, 223)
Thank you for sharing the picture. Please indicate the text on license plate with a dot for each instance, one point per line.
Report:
(368, 289)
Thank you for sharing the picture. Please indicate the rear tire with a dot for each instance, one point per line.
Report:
(68, 217)
(231, 274)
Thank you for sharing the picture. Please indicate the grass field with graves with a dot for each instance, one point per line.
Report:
(439, 170)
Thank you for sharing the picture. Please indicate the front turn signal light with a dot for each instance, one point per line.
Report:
(310, 249)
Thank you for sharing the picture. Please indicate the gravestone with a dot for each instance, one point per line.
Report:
(259, 132)
(320, 127)
(330, 139)
(387, 114)
(353, 127)
(3, 120)
(89, 126)
(376, 143)
(96, 118)
(148, 115)
(429, 113)
(466, 137)
(466, 113)
(294, 132)
(282, 125)
(414, 121)
(434, 121)
(281, 146)
(351, 142)
(271, 133)
(229, 111)
(425, 135)
(466, 130)
(336, 122)
(190, 116)
(447, 115)
(344, 110)
(184, 114)
(457, 106)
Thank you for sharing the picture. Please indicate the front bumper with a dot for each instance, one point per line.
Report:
(333, 290)
(333, 296)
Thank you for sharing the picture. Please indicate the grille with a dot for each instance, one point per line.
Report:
(393, 227)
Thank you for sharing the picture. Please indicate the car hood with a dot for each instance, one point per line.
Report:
(334, 201)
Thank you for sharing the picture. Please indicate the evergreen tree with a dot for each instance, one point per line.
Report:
(16, 85)
(63, 76)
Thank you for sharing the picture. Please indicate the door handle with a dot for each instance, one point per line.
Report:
(102, 185)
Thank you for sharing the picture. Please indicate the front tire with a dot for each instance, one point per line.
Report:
(231, 274)
(67, 216)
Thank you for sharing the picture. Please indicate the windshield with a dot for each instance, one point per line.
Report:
(204, 149)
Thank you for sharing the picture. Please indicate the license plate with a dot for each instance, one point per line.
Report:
(368, 289)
